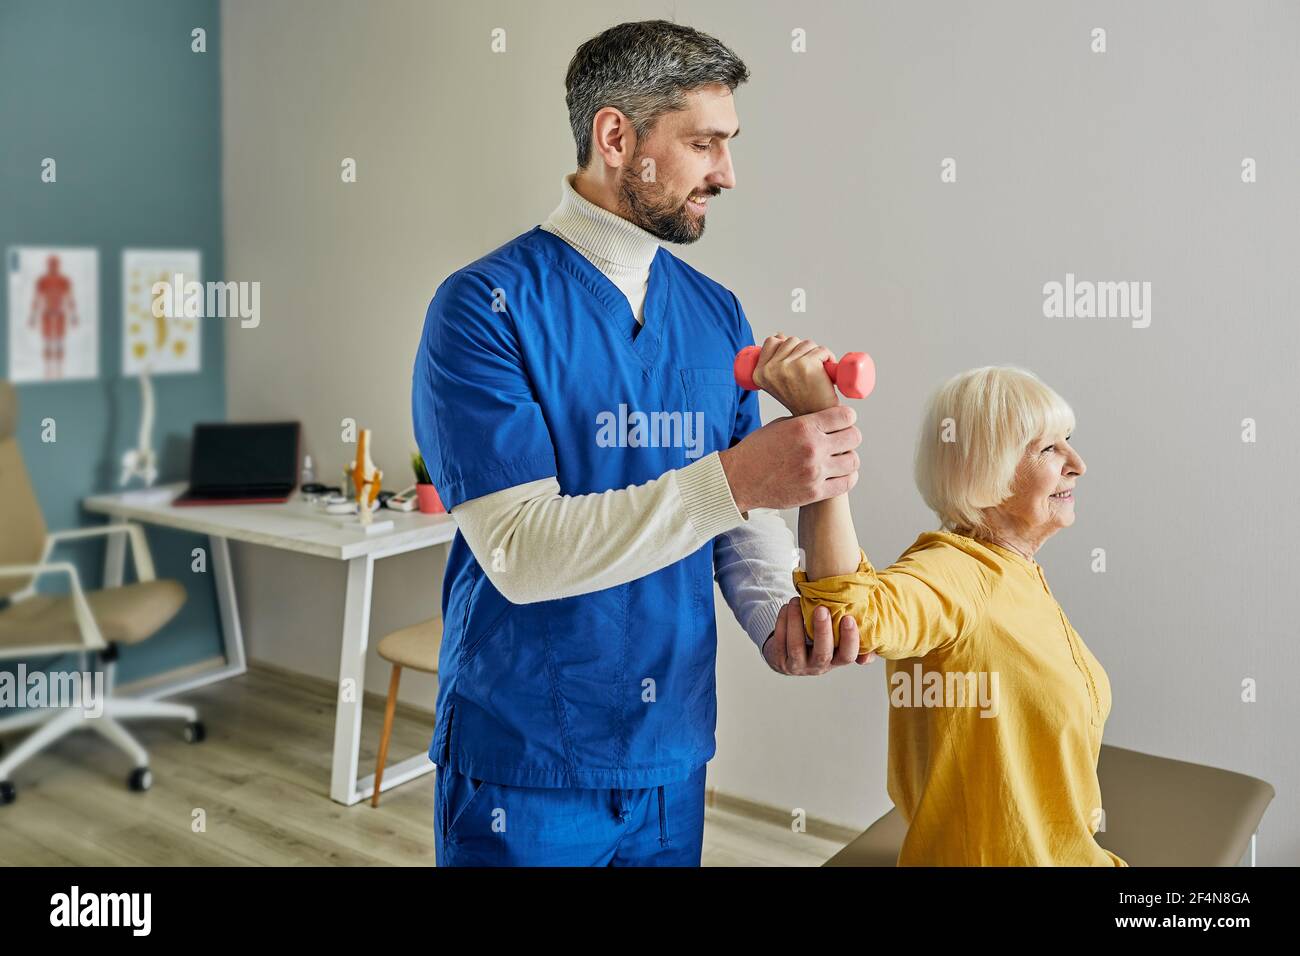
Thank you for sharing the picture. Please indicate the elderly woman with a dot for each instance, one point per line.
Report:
(1005, 779)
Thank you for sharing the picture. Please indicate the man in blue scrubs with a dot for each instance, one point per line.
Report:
(575, 405)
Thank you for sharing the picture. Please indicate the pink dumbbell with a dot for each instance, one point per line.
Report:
(854, 374)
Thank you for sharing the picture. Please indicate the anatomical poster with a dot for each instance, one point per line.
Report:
(53, 313)
(150, 337)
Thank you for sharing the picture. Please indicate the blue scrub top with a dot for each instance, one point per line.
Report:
(524, 362)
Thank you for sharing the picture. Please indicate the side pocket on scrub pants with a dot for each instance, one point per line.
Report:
(710, 392)
(458, 799)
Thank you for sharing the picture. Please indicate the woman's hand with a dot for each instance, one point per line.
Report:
(790, 370)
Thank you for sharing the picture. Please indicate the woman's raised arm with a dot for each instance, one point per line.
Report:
(924, 601)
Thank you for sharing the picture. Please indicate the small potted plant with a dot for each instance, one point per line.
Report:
(426, 495)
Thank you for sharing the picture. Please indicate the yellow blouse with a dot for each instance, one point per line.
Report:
(996, 706)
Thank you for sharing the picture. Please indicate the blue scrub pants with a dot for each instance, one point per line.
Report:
(477, 823)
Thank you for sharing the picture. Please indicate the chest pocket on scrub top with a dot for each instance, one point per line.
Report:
(710, 393)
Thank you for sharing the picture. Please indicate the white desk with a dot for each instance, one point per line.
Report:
(293, 526)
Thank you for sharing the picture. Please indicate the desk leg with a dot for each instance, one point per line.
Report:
(232, 635)
(352, 681)
(114, 557)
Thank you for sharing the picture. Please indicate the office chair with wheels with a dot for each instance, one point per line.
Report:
(90, 624)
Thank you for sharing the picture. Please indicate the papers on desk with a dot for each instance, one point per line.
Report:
(148, 496)
(344, 514)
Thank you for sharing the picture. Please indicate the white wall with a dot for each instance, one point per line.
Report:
(1120, 166)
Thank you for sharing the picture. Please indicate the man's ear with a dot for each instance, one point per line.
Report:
(612, 137)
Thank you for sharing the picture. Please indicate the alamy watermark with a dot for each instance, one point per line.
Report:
(212, 300)
(61, 689)
(1085, 299)
(75, 908)
(923, 688)
(634, 429)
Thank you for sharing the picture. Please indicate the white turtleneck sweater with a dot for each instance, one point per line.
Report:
(620, 249)
(640, 528)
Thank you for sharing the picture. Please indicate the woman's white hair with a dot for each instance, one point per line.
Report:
(976, 429)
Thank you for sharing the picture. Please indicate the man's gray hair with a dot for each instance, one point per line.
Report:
(643, 70)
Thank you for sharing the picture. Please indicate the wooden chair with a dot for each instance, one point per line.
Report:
(416, 647)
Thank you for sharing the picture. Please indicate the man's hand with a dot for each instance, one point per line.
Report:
(787, 651)
(792, 462)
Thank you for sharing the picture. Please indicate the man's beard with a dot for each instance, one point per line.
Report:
(648, 205)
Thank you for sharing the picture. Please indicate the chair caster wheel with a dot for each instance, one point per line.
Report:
(7, 793)
(141, 779)
(195, 732)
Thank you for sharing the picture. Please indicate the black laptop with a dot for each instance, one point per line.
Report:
(244, 463)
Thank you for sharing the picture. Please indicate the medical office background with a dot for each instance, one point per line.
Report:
(1123, 165)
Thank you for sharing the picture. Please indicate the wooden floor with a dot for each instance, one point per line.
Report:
(255, 792)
